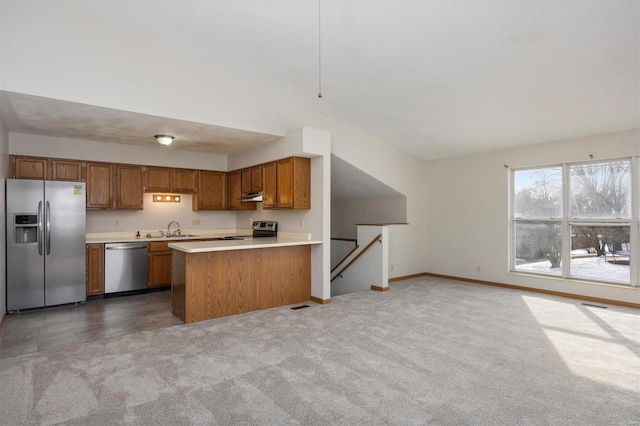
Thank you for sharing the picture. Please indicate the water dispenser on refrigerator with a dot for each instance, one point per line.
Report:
(25, 228)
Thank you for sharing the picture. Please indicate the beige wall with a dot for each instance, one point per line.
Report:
(346, 214)
(468, 213)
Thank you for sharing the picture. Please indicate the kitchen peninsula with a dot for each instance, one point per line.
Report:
(212, 279)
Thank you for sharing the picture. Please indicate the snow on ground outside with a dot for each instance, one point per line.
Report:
(584, 267)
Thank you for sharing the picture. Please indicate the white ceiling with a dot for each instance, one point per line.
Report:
(435, 78)
(43, 116)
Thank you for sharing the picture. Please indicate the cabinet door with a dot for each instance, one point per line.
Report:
(67, 170)
(256, 178)
(160, 269)
(246, 180)
(157, 179)
(100, 185)
(183, 181)
(95, 269)
(128, 187)
(284, 183)
(212, 191)
(234, 190)
(30, 168)
(301, 183)
(269, 186)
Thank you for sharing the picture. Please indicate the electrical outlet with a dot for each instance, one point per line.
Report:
(116, 222)
(250, 221)
(301, 223)
(392, 266)
(195, 222)
(478, 269)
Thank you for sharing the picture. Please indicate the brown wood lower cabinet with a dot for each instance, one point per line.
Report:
(159, 264)
(220, 283)
(95, 269)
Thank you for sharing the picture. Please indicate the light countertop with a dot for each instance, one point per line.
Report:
(132, 238)
(246, 244)
(195, 235)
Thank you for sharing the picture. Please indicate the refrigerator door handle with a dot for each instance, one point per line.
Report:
(47, 214)
(39, 236)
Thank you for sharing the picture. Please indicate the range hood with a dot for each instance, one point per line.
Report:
(251, 197)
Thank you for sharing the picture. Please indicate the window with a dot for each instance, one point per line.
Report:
(538, 220)
(575, 221)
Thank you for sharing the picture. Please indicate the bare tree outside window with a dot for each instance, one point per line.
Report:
(538, 209)
(601, 190)
(598, 241)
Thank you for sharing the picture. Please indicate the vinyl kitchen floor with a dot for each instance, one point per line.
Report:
(96, 319)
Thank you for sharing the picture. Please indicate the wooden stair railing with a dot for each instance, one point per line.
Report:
(345, 257)
(376, 238)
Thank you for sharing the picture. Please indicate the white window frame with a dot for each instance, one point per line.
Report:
(567, 222)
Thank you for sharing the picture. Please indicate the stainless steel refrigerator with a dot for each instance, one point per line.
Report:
(45, 243)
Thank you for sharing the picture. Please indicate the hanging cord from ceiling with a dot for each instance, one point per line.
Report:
(319, 48)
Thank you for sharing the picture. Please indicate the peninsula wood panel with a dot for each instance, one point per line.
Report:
(222, 283)
(178, 279)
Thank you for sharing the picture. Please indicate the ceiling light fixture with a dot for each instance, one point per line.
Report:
(164, 139)
(166, 198)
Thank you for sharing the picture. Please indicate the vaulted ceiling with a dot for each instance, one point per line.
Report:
(435, 78)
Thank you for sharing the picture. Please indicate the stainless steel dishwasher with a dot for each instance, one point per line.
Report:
(125, 267)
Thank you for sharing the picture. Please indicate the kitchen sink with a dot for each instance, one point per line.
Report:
(170, 237)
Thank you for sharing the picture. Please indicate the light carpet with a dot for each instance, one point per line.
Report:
(429, 351)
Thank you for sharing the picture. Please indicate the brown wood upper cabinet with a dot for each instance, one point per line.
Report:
(269, 183)
(165, 179)
(183, 181)
(128, 187)
(235, 190)
(100, 185)
(67, 170)
(45, 168)
(212, 191)
(287, 184)
(252, 179)
(112, 186)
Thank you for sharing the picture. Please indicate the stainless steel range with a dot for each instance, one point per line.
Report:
(265, 229)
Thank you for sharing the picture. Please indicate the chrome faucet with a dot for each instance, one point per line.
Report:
(176, 232)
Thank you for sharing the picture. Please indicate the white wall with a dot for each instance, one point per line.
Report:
(156, 216)
(91, 60)
(346, 214)
(303, 142)
(4, 171)
(468, 214)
